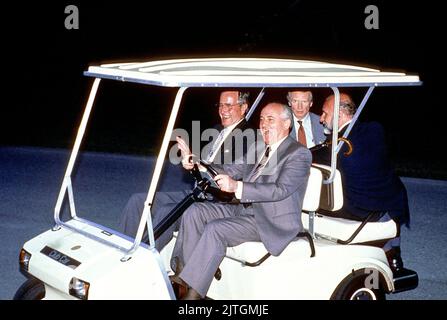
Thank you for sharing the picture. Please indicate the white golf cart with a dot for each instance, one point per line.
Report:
(334, 259)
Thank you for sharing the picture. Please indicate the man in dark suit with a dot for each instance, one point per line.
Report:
(369, 181)
(270, 191)
(227, 146)
(306, 128)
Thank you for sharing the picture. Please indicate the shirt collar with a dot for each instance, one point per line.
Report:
(305, 119)
(231, 127)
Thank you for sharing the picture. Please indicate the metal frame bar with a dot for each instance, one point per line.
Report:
(312, 224)
(66, 184)
(146, 217)
(71, 199)
(334, 135)
(336, 146)
(255, 104)
(356, 116)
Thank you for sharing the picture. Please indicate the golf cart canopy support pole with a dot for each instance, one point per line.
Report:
(356, 116)
(66, 183)
(146, 217)
(255, 104)
(336, 146)
(67, 178)
(334, 135)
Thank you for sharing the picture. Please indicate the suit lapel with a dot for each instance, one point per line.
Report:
(274, 161)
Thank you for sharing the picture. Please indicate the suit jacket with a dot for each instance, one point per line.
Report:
(276, 198)
(369, 181)
(317, 129)
(233, 147)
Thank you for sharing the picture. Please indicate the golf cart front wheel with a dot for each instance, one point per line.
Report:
(31, 289)
(355, 287)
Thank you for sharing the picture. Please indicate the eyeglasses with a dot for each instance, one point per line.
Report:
(227, 105)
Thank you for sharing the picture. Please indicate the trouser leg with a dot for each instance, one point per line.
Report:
(395, 242)
(164, 202)
(210, 250)
(130, 217)
(193, 224)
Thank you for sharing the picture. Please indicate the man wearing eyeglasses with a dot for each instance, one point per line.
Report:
(306, 128)
(224, 149)
(232, 108)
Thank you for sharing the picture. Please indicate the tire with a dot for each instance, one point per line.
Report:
(31, 289)
(353, 288)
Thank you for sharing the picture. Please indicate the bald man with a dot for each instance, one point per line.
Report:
(369, 181)
(271, 198)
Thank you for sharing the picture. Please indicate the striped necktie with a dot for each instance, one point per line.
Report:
(260, 165)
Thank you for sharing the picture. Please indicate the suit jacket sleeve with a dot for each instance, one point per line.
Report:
(293, 176)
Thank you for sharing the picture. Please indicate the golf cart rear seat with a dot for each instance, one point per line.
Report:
(342, 230)
(330, 198)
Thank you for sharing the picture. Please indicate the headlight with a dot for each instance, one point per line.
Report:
(79, 288)
(24, 259)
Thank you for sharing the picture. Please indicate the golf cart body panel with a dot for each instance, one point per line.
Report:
(60, 255)
(113, 266)
(297, 275)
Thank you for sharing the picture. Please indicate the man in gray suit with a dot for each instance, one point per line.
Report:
(270, 191)
(306, 128)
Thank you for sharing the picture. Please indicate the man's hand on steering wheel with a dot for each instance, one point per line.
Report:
(187, 162)
(226, 183)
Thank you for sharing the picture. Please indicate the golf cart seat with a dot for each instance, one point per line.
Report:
(329, 227)
(342, 230)
(252, 251)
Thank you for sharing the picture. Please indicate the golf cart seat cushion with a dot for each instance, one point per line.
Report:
(342, 229)
(331, 196)
(337, 228)
(253, 251)
(312, 196)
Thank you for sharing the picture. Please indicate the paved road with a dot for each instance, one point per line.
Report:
(31, 178)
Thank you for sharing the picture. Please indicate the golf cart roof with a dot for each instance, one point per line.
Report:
(249, 72)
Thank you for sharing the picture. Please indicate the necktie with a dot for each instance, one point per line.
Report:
(260, 165)
(301, 134)
(216, 145)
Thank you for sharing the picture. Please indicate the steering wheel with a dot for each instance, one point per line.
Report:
(205, 181)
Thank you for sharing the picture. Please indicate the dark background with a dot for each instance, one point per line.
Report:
(44, 91)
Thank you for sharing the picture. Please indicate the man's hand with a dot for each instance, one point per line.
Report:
(225, 183)
(186, 154)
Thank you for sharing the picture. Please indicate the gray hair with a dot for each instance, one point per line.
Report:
(243, 97)
(348, 106)
(286, 114)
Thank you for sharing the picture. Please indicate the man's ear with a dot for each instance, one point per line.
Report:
(244, 108)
